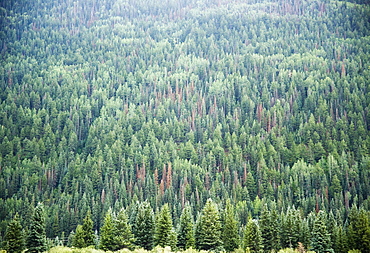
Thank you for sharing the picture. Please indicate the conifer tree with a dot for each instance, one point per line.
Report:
(36, 241)
(359, 230)
(14, 239)
(163, 227)
(230, 234)
(124, 237)
(143, 227)
(84, 235)
(252, 237)
(269, 230)
(208, 228)
(186, 229)
(107, 235)
(290, 229)
(320, 238)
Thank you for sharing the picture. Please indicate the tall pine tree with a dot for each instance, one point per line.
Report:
(124, 237)
(269, 229)
(186, 229)
(230, 236)
(36, 241)
(108, 233)
(208, 228)
(14, 238)
(143, 227)
(164, 228)
(252, 237)
(84, 235)
(320, 238)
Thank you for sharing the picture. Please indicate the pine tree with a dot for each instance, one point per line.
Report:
(36, 241)
(124, 237)
(107, 235)
(84, 235)
(208, 228)
(87, 227)
(143, 227)
(163, 227)
(14, 239)
(186, 229)
(320, 238)
(269, 230)
(290, 229)
(252, 237)
(359, 230)
(230, 234)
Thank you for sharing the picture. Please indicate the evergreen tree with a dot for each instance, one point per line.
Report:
(108, 233)
(208, 228)
(269, 230)
(163, 227)
(143, 227)
(290, 228)
(230, 234)
(84, 235)
(359, 230)
(36, 241)
(320, 238)
(186, 229)
(87, 227)
(14, 238)
(123, 237)
(252, 237)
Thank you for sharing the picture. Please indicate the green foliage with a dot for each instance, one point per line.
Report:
(108, 233)
(208, 228)
(14, 238)
(252, 237)
(144, 226)
(230, 236)
(36, 240)
(186, 237)
(124, 238)
(164, 235)
(84, 235)
(320, 238)
(359, 230)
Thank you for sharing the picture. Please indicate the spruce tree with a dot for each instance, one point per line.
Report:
(208, 229)
(143, 227)
(269, 230)
(252, 237)
(124, 237)
(163, 227)
(359, 230)
(186, 229)
(36, 241)
(107, 235)
(320, 238)
(87, 227)
(14, 239)
(230, 234)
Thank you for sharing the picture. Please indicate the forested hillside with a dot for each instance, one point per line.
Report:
(250, 117)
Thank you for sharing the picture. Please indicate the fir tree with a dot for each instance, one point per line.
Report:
(107, 235)
(36, 241)
(124, 237)
(14, 239)
(186, 229)
(208, 229)
(143, 227)
(269, 230)
(320, 238)
(230, 234)
(252, 237)
(84, 235)
(163, 227)
(359, 230)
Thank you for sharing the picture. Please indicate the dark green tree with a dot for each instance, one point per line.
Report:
(36, 241)
(108, 233)
(320, 238)
(84, 235)
(14, 238)
(144, 225)
(230, 236)
(124, 237)
(208, 228)
(186, 229)
(252, 237)
(163, 227)
(359, 230)
(269, 229)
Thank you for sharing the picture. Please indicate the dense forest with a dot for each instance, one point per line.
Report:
(215, 125)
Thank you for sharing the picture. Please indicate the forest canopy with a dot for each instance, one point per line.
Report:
(176, 112)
